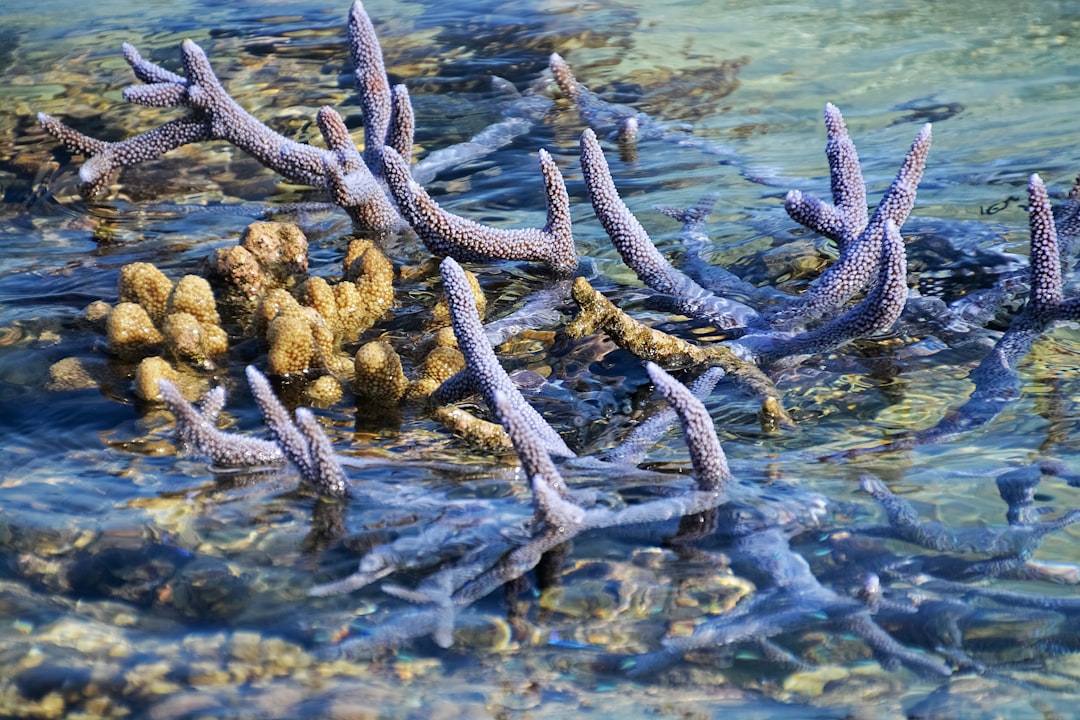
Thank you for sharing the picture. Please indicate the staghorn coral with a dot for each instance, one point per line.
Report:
(448, 235)
(996, 377)
(482, 373)
(790, 599)
(641, 256)
(860, 239)
(355, 182)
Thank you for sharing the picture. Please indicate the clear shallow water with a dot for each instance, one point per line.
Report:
(110, 542)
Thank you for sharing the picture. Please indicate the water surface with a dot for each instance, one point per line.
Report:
(136, 582)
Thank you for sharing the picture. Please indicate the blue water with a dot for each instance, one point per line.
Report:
(103, 529)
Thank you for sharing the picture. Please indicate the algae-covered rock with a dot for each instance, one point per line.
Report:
(280, 249)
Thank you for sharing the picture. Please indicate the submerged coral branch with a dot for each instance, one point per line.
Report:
(196, 428)
(483, 373)
(598, 313)
(996, 377)
(461, 550)
(640, 254)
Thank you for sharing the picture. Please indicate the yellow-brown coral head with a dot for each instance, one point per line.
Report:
(147, 375)
(317, 294)
(292, 345)
(198, 344)
(440, 365)
(144, 284)
(379, 377)
(280, 249)
(193, 295)
(239, 278)
(367, 293)
(275, 303)
(131, 332)
(324, 391)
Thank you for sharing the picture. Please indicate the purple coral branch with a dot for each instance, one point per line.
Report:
(482, 372)
(449, 235)
(215, 115)
(710, 464)
(640, 254)
(303, 442)
(847, 216)
(196, 427)
(860, 239)
(371, 82)
(876, 312)
(996, 378)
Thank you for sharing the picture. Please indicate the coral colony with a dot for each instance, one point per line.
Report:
(263, 287)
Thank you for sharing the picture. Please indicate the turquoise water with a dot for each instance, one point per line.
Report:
(136, 583)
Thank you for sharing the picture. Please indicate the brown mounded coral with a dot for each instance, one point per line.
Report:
(255, 285)
(378, 376)
(292, 342)
(142, 283)
(152, 370)
(269, 255)
(380, 380)
(192, 326)
(131, 332)
(442, 363)
(306, 328)
(185, 320)
(153, 311)
(372, 275)
(273, 256)
(197, 344)
(193, 295)
(156, 315)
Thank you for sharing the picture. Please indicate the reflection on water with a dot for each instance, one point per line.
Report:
(134, 582)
